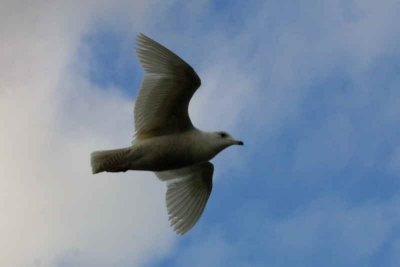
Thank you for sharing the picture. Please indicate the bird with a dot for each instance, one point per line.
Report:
(165, 140)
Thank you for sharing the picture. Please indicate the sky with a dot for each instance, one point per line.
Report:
(311, 87)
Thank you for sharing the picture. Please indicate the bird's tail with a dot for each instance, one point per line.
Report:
(115, 160)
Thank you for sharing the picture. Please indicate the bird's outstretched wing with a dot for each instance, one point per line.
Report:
(169, 84)
(187, 194)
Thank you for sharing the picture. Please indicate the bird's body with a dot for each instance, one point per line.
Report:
(160, 153)
(166, 141)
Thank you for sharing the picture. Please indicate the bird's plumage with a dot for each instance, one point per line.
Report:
(168, 85)
(166, 141)
(187, 194)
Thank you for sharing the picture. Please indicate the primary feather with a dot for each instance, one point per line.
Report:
(168, 85)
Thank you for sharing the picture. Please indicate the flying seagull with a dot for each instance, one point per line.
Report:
(166, 142)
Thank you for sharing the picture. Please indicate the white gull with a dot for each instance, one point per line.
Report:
(166, 142)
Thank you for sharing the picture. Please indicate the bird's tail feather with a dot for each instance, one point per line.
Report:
(115, 160)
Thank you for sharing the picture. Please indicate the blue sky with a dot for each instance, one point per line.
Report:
(311, 87)
(324, 173)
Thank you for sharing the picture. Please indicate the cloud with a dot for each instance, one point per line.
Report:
(53, 211)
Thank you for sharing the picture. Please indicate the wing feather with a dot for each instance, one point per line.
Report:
(191, 208)
(195, 215)
(168, 85)
(188, 190)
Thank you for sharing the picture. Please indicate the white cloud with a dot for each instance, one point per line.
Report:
(52, 209)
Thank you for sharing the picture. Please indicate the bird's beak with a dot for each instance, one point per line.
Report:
(240, 143)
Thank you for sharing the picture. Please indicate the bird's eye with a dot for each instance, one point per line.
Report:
(223, 135)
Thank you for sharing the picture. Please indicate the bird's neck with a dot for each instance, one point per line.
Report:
(207, 145)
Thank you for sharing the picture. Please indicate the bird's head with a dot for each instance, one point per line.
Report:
(224, 140)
